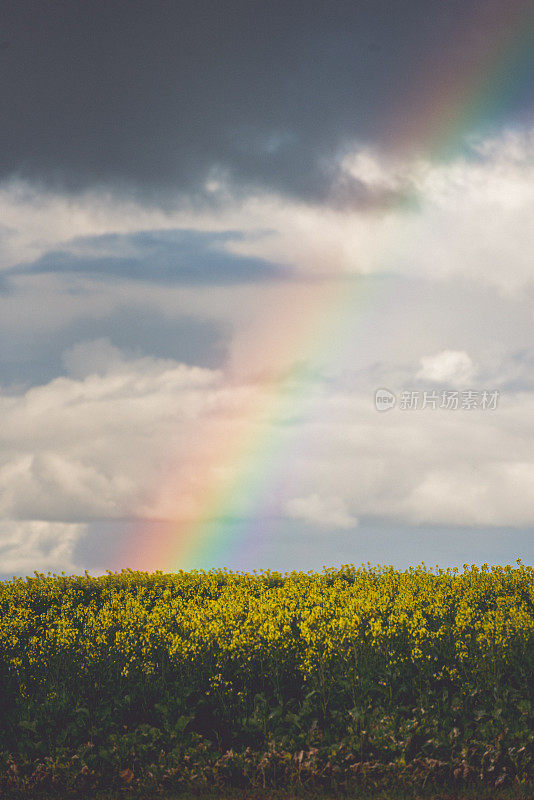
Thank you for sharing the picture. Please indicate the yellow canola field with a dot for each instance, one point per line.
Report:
(366, 629)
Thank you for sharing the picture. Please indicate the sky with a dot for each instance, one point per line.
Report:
(223, 228)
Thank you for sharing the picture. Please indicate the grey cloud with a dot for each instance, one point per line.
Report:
(30, 359)
(176, 256)
(152, 97)
(516, 372)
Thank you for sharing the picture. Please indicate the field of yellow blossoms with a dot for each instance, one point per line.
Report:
(349, 676)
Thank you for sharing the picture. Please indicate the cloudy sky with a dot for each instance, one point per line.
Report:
(223, 227)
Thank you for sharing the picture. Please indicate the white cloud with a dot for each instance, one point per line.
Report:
(449, 366)
(493, 493)
(58, 486)
(36, 221)
(153, 438)
(325, 512)
(83, 448)
(134, 436)
(469, 217)
(35, 545)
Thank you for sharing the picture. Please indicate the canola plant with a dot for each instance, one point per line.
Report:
(395, 664)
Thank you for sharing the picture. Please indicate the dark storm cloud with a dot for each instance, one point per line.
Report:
(170, 256)
(152, 96)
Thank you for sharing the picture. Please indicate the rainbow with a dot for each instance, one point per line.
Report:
(219, 522)
(231, 480)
